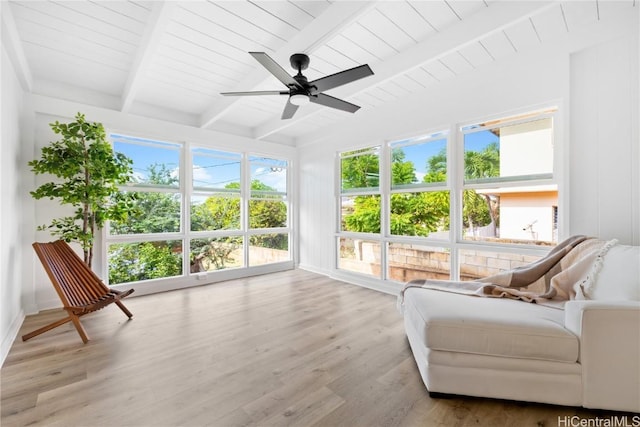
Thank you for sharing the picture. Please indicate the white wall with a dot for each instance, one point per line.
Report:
(604, 140)
(523, 80)
(317, 208)
(15, 207)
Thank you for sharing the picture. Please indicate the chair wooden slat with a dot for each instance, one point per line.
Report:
(79, 288)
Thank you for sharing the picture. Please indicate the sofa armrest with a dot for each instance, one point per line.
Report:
(609, 334)
(574, 310)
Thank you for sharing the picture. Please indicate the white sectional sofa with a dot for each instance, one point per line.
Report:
(587, 354)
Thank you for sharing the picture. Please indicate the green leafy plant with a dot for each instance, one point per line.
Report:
(88, 173)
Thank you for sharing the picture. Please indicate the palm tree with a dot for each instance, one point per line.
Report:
(482, 164)
(479, 165)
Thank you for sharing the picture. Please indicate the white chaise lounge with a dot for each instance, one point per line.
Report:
(586, 354)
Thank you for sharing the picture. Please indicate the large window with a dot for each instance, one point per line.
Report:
(360, 191)
(509, 194)
(360, 210)
(419, 201)
(215, 211)
(268, 206)
(149, 245)
(199, 210)
(459, 204)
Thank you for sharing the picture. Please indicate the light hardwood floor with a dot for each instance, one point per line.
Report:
(291, 348)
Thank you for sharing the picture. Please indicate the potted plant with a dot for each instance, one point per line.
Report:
(88, 173)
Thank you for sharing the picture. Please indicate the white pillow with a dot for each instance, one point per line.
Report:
(619, 275)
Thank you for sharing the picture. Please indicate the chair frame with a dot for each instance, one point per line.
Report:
(79, 288)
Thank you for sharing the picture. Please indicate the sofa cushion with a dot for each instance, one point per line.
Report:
(619, 275)
(489, 326)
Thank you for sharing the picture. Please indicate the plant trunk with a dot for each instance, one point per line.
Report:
(92, 226)
(85, 228)
(88, 249)
(492, 214)
(89, 257)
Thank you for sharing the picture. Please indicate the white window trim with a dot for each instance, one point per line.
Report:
(455, 184)
(186, 189)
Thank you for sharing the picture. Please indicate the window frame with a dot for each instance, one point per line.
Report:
(187, 190)
(455, 184)
(419, 187)
(507, 182)
(249, 196)
(109, 239)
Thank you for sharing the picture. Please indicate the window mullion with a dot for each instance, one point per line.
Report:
(455, 164)
(186, 189)
(384, 191)
(385, 206)
(245, 197)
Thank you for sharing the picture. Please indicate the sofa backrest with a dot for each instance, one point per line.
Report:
(618, 277)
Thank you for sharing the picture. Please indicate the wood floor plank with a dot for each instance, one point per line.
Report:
(280, 398)
(292, 348)
(307, 410)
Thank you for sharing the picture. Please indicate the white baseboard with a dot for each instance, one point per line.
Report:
(49, 304)
(355, 279)
(366, 282)
(10, 336)
(175, 283)
(314, 269)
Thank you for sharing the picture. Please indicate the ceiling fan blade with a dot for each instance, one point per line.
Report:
(330, 101)
(289, 110)
(275, 69)
(341, 78)
(259, 92)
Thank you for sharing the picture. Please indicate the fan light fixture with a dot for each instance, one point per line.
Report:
(299, 99)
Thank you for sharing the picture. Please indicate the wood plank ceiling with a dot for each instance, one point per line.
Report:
(171, 59)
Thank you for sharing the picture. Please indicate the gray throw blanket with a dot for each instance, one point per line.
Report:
(561, 273)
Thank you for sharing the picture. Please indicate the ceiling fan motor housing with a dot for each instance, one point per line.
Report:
(299, 61)
(306, 88)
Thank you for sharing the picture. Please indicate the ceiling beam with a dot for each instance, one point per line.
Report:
(160, 15)
(495, 17)
(331, 22)
(13, 46)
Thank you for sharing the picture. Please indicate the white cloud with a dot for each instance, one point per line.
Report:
(175, 173)
(273, 178)
(201, 176)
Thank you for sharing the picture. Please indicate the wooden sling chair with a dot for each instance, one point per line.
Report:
(79, 289)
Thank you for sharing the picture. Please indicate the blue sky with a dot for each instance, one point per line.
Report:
(477, 141)
(212, 168)
(215, 172)
(144, 156)
(420, 153)
(224, 168)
